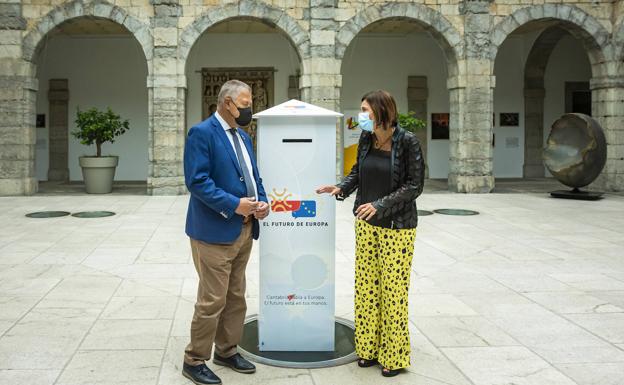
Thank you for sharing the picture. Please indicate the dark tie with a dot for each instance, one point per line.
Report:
(251, 192)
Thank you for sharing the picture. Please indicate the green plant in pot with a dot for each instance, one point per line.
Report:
(98, 127)
(411, 123)
(417, 126)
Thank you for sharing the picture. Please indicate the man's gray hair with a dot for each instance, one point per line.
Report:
(232, 88)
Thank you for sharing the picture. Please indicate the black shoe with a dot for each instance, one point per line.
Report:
(364, 363)
(236, 362)
(390, 372)
(200, 374)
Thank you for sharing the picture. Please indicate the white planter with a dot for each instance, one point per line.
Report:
(98, 173)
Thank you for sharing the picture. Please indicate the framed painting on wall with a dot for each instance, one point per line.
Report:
(440, 126)
(40, 121)
(509, 119)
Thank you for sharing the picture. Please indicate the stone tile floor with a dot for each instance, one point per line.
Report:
(529, 292)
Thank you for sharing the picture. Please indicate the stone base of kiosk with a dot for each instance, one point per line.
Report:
(343, 353)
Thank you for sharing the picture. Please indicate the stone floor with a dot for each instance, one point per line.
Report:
(529, 292)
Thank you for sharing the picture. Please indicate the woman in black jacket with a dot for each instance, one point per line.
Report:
(388, 177)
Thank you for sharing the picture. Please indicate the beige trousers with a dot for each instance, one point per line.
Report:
(220, 307)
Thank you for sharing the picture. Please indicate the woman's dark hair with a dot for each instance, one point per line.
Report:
(384, 108)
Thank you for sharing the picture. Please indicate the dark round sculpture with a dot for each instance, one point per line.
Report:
(576, 150)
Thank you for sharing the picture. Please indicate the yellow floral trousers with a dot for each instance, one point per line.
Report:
(382, 277)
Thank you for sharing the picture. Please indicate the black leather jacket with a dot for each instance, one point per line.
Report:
(407, 165)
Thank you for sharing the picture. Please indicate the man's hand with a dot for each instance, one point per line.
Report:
(366, 211)
(333, 190)
(262, 211)
(246, 206)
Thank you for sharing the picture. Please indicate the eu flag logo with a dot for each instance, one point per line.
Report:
(280, 202)
(307, 210)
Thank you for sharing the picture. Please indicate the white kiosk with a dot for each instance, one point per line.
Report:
(296, 154)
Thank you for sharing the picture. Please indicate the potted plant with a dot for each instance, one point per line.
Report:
(412, 124)
(95, 126)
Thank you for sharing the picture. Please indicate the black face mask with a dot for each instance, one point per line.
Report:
(245, 116)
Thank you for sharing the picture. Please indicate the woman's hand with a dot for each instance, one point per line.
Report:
(333, 190)
(366, 211)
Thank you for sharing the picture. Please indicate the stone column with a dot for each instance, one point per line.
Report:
(608, 110)
(58, 97)
(166, 91)
(417, 94)
(321, 81)
(293, 87)
(471, 97)
(18, 94)
(533, 133)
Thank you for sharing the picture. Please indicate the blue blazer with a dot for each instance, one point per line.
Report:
(214, 179)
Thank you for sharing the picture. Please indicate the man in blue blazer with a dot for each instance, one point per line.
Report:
(227, 200)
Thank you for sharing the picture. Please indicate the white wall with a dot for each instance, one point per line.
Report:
(509, 97)
(101, 72)
(568, 62)
(385, 61)
(238, 50)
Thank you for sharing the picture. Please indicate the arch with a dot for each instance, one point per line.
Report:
(537, 60)
(80, 8)
(618, 41)
(568, 19)
(442, 31)
(592, 35)
(34, 41)
(276, 17)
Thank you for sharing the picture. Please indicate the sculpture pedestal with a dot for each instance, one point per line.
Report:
(577, 194)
